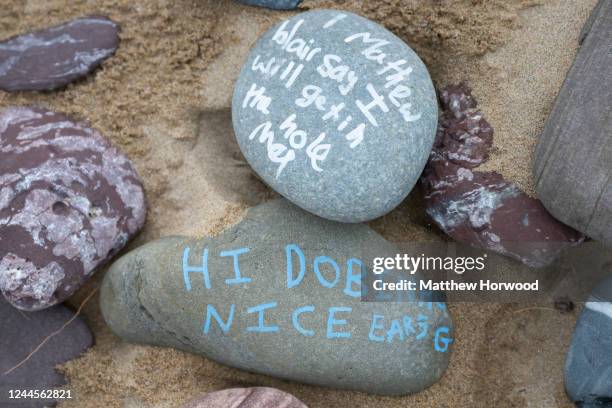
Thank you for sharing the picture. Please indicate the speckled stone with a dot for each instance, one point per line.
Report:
(21, 334)
(69, 201)
(255, 397)
(588, 368)
(54, 57)
(273, 4)
(481, 208)
(294, 312)
(336, 114)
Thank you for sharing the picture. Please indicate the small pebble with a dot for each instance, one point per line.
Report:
(564, 305)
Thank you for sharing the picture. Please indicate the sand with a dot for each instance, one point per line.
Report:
(164, 99)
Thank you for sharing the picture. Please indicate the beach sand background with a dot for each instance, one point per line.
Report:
(164, 98)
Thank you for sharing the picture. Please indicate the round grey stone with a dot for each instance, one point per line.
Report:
(336, 114)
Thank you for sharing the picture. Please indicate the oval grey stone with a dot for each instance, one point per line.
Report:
(336, 114)
(294, 311)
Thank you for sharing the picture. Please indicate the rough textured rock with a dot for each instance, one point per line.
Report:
(273, 4)
(336, 114)
(294, 311)
(54, 57)
(255, 397)
(588, 368)
(481, 208)
(573, 160)
(21, 334)
(68, 202)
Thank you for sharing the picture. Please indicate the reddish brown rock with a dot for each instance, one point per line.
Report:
(457, 99)
(256, 397)
(481, 208)
(69, 201)
(54, 57)
(463, 135)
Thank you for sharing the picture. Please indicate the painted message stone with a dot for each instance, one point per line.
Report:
(255, 397)
(273, 4)
(588, 368)
(279, 294)
(69, 201)
(54, 57)
(21, 334)
(336, 114)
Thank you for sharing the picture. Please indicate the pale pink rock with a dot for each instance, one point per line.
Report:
(255, 397)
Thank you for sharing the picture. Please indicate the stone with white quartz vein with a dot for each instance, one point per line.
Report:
(68, 202)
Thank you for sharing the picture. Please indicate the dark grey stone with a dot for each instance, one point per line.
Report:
(54, 57)
(588, 368)
(158, 294)
(273, 4)
(336, 114)
(22, 332)
(69, 201)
